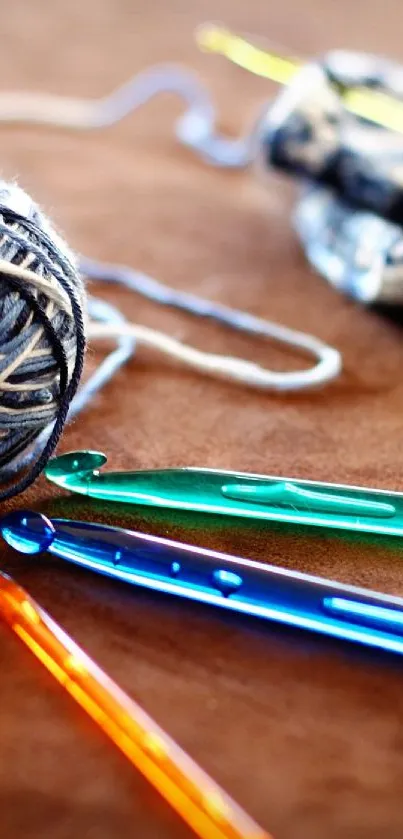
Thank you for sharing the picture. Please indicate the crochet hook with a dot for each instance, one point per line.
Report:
(201, 803)
(240, 585)
(252, 496)
(372, 105)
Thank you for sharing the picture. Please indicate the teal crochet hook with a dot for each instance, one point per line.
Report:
(233, 494)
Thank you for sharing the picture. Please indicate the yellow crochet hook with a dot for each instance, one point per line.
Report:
(201, 803)
(374, 106)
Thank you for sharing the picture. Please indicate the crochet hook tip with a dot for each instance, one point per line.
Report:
(27, 531)
(81, 463)
(211, 36)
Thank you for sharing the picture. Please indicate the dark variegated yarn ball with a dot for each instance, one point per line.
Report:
(42, 336)
(349, 217)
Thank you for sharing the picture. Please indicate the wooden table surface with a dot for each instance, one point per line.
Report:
(306, 734)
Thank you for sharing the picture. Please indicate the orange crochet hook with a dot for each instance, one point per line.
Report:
(201, 803)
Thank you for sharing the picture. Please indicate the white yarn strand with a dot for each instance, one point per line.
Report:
(232, 368)
(196, 128)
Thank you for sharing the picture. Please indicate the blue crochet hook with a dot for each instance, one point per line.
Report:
(252, 588)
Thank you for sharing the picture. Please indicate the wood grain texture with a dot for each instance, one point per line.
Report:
(305, 733)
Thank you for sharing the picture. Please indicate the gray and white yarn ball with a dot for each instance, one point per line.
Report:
(42, 336)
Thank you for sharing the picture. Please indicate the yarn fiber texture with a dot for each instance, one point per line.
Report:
(42, 335)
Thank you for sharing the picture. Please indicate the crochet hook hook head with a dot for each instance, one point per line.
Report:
(74, 470)
(27, 532)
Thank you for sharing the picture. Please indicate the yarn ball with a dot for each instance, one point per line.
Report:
(42, 336)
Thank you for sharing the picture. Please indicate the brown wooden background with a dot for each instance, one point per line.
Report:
(306, 734)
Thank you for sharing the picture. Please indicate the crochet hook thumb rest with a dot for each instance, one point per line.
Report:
(240, 585)
(259, 497)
